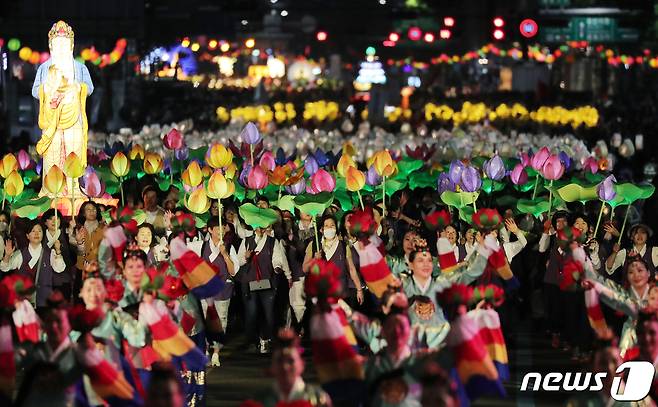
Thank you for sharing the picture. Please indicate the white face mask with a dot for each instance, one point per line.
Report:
(329, 233)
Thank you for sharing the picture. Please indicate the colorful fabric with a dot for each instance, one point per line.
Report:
(475, 368)
(447, 259)
(116, 237)
(26, 322)
(169, 340)
(7, 361)
(105, 379)
(373, 267)
(197, 274)
(333, 355)
(488, 322)
(594, 311)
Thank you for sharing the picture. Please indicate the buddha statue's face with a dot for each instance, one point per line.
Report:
(61, 47)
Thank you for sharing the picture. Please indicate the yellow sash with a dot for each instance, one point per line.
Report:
(63, 117)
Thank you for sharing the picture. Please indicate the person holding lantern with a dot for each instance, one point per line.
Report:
(37, 261)
(639, 235)
(263, 256)
(334, 249)
(215, 252)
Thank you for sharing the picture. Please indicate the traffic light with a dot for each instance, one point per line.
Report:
(498, 32)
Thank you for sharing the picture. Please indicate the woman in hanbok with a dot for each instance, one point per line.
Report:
(628, 299)
(116, 335)
(421, 288)
(147, 243)
(37, 261)
(400, 264)
(86, 237)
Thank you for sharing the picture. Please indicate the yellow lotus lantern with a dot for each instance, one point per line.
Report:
(384, 164)
(344, 164)
(120, 166)
(230, 171)
(8, 164)
(73, 167)
(219, 188)
(54, 181)
(355, 181)
(153, 163)
(137, 152)
(13, 186)
(219, 156)
(192, 176)
(198, 201)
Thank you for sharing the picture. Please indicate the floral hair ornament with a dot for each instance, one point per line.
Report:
(134, 252)
(420, 245)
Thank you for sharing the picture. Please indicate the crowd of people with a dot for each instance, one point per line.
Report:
(157, 299)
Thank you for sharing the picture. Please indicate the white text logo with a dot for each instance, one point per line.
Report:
(636, 386)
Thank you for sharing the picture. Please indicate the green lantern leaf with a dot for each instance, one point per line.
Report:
(139, 216)
(257, 217)
(594, 178)
(466, 214)
(31, 208)
(575, 192)
(408, 165)
(528, 186)
(201, 220)
(240, 192)
(395, 184)
(271, 192)
(422, 179)
(164, 184)
(627, 193)
(286, 203)
(489, 185)
(535, 207)
(314, 205)
(345, 199)
(459, 199)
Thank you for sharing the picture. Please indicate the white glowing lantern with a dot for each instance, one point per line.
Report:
(301, 70)
(226, 65)
(276, 67)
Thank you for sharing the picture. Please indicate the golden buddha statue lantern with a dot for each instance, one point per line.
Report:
(62, 85)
